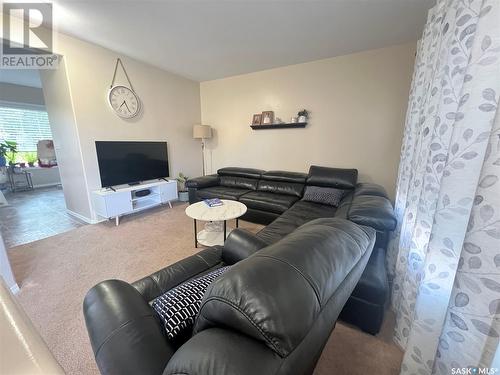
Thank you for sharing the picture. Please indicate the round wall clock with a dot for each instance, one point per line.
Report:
(124, 101)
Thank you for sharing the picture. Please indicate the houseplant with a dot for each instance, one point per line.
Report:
(31, 158)
(183, 192)
(8, 151)
(303, 115)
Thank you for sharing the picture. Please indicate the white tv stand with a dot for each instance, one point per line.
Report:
(122, 200)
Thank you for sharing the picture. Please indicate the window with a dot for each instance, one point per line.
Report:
(24, 125)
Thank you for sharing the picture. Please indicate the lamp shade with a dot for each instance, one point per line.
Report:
(202, 131)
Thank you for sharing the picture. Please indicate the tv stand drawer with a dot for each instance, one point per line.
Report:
(113, 205)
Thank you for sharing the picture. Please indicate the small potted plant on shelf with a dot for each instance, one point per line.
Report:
(303, 115)
(183, 192)
(8, 151)
(31, 158)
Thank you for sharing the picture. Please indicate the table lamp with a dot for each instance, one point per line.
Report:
(202, 132)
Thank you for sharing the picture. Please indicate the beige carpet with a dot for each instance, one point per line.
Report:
(55, 273)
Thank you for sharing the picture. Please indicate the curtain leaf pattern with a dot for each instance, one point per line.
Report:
(444, 257)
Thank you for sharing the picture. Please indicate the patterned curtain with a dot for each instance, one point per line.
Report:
(445, 254)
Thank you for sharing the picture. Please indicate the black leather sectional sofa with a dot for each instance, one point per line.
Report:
(272, 312)
(275, 198)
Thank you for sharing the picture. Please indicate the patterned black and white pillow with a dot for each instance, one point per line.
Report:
(178, 307)
(324, 195)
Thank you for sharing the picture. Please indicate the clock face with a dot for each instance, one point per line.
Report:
(124, 101)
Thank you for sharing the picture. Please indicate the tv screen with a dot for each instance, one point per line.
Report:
(131, 162)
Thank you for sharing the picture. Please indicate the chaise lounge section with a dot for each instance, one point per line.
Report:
(276, 199)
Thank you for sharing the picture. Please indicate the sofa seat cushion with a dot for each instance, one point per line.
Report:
(373, 286)
(222, 192)
(260, 200)
(300, 213)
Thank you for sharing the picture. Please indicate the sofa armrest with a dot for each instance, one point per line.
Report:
(169, 277)
(240, 244)
(371, 206)
(368, 188)
(373, 211)
(126, 337)
(203, 181)
(217, 351)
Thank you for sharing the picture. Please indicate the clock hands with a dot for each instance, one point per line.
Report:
(124, 102)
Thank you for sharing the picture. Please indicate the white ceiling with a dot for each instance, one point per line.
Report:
(23, 77)
(210, 39)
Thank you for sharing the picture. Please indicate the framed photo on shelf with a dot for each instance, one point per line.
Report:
(257, 119)
(267, 118)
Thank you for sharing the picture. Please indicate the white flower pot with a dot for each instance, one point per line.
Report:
(183, 196)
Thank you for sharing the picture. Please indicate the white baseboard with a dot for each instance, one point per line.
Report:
(81, 217)
(46, 185)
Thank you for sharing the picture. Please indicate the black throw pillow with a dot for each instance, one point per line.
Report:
(178, 307)
(324, 195)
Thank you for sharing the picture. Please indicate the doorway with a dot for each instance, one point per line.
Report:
(32, 202)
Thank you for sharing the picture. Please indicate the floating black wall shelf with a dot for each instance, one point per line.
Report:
(280, 126)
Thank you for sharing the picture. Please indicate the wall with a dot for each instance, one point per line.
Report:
(66, 141)
(21, 94)
(171, 106)
(5, 269)
(357, 105)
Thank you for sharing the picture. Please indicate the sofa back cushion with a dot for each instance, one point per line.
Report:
(281, 182)
(337, 178)
(239, 182)
(242, 178)
(240, 172)
(313, 262)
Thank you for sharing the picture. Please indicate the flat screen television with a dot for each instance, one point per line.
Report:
(125, 162)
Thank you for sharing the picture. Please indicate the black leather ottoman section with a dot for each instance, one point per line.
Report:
(373, 285)
(366, 306)
(300, 213)
(221, 192)
(367, 316)
(260, 200)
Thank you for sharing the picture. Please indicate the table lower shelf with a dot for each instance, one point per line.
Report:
(210, 238)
